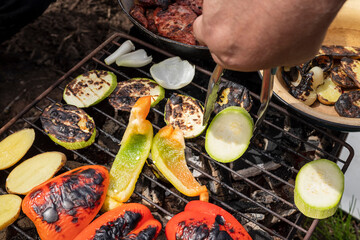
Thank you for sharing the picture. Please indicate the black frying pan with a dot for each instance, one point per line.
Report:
(174, 47)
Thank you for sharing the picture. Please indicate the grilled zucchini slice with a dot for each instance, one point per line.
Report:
(352, 68)
(185, 113)
(340, 78)
(328, 93)
(90, 88)
(348, 104)
(68, 126)
(128, 92)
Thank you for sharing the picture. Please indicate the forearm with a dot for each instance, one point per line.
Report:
(248, 35)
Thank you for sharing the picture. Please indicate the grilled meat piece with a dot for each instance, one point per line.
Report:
(176, 23)
(149, 14)
(138, 13)
(196, 5)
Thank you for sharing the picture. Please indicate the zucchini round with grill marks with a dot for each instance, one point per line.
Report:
(128, 92)
(186, 113)
(90, 88)
(348, 104)
(68, 126)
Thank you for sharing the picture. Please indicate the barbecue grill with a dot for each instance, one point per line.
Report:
(257, 188)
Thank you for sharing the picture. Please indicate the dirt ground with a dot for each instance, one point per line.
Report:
(46, 48)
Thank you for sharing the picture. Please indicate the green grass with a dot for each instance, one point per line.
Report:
(341, 226)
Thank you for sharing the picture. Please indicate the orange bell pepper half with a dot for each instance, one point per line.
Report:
(203, 220)
(168, 155)
(128, 221)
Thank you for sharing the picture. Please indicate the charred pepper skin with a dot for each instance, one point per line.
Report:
(129, 221)
(206, 221)
(61, 207)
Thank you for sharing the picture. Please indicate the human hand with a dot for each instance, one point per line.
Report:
(249, 35)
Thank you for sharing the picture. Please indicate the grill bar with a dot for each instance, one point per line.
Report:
(94, 60)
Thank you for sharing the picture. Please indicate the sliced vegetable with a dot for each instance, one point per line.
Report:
(232, 94)
(10, 206)
(63, 206)
(348, 104)
(203, 220)
(340, 78)
(128, 92)
(328, 92)
(68, 126)
(90, 88)
(186, 113)
(338, 52)
(168, 155)
(229, 134)
(124, 48)
(129, 221)
(22, 178)
(134, 150)
(173, 73)
(15, 146)
(139, 58)
(352, 69)
(319, 186)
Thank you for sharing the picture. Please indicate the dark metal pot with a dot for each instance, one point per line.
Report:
(180, 49)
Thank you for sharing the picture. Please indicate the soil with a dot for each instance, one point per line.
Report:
(48, 47)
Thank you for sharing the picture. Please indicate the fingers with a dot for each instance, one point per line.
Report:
(198, 30)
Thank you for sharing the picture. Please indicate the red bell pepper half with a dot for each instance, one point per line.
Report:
(128, 221)
(203, 220)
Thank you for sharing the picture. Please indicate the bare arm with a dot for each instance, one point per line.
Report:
(248, 35)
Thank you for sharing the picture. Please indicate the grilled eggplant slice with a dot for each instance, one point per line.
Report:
(232, 94)
(128, 92)
(338, 52)
(185, 113)
(90, 88)
(348, 105)
(352, 69)
(328, 93)
(340, 78)
(68, 126)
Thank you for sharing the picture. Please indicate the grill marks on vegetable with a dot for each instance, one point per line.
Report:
(200, 230)
(80, 189)
(67, 123)
(340, 51)
(128, 92)
(232, 94)
(122, 226)
(348, 104)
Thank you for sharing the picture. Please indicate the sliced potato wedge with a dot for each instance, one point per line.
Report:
(34, 171)
(15, 146)
(328, 93)
(10, 206)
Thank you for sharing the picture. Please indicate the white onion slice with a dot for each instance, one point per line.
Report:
(124, 48)
(173, 73)
(139, 58)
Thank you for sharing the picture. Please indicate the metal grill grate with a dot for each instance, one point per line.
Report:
(234, 187)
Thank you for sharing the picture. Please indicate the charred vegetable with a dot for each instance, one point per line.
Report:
(68, 126)
(291, 76)
(10, 206)
(134, 150)
(15, 146)
(229, 134)
(128, 92)
(61, 207)
(22, 178)
(168, 155)
(339, 52)
(340, 78)
(90, 88)
(325, 62)
(328, 92)
(203, 220)
(232, 94)
(348, 104)
(186, 113)
(129, 221)
(352, 69)
(306, 90)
